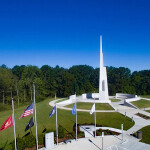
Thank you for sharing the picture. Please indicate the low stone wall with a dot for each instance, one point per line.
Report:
(132, 99)
(90, 95)
(123, 95)
(72, 97)
(71, 100)
(87, 95)
(96, 95)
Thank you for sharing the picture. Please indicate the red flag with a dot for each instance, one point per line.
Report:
(8, 123)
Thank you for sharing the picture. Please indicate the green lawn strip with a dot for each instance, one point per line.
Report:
(145, 134)
(114, 100)
(99, 106)
(145, 96)
(65, 118)
(61, 100)
(141, 103)
(8, 106)
(148, 111)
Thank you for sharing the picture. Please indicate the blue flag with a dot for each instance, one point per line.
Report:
(53, 111)
(74, 109)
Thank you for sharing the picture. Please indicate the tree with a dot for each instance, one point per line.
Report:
(82, 74)
(29, 75)
(6, 83)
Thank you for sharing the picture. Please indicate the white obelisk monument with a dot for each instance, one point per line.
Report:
(103, 85)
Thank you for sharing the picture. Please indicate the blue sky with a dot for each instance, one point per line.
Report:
(66, 32)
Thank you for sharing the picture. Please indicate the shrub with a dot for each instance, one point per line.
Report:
(74, 127)
(20, 144)
(61, 132)
(29, 141)
(41, 139)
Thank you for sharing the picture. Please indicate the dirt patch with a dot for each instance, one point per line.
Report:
(143, 116)
(34, 148)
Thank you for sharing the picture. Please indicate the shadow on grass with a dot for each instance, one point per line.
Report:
(4, 146)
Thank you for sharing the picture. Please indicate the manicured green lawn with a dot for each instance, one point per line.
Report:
(145, 96)
(65, 118)
(148, 111)
(142, 103)
(5, 107)
(145, 134)
(114, 100)
(88, 106)
(61, 100)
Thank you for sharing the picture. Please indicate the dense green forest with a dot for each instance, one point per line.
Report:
(18, 81)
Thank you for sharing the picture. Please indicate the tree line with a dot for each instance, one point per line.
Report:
(17, 82)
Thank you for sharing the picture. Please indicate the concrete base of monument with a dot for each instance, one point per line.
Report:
(99, 97)
(104, 101)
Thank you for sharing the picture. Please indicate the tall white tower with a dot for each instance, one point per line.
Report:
(103, 85)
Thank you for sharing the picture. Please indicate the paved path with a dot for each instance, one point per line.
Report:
(131, 113)
(145, 98)
(112, 142)
(88, 143)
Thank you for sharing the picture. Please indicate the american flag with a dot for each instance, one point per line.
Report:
(28, 111)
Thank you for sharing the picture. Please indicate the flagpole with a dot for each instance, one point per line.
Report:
(14, 124)
(35, 117)
(55, 97)
(56, 121)
(95, 114)
(76, 117)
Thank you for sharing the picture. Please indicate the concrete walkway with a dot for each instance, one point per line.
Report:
(131, 113)
(88, 143)
(112, 142)
(145, 98)
(129, 144)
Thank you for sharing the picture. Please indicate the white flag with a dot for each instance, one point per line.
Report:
(92, 109)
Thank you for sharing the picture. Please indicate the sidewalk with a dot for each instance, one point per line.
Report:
(130, 112)
(88, 143)
(111, 142)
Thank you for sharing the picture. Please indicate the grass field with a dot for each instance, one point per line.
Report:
(65, 118)
(114, 100)
(61, 100)
(148, 111)
(8, 106)
(142, 103)
(99, 106)
(145, 135)
(145, 96)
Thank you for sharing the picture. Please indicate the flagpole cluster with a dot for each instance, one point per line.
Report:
(10, 121)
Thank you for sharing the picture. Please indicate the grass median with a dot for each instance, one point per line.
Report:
(88, 106)
(145, 135)
(141, 103)
(114, 100)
